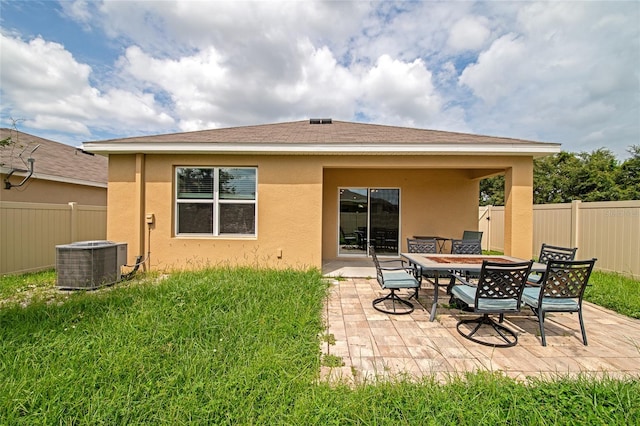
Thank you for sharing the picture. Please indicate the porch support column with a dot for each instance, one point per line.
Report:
(518, 209)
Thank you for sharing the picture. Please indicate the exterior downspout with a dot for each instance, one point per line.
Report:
(140, 207)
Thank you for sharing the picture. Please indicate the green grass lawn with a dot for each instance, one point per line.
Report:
(237, 346)
(616, 292)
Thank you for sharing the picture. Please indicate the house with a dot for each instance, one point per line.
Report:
(50, 194)
(298, 194)
(61, 173)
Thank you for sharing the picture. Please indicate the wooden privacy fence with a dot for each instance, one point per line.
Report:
(29, 232)
(609, 231)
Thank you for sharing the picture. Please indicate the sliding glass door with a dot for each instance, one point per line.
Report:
(384, 219)
(353, 221)
(369, 216)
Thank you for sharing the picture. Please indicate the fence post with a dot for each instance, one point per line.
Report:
(489, 227)
(73, 207)
(575, 223)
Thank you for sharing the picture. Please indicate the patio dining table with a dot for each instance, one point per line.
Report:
(444, 265)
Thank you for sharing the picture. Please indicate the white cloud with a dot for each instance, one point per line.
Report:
(58, 124)
(78, 10)
(569, 74)
(498, 69)
(206, 91)
(558, 71)
(41, 69)
(45, 85)
(469, 33)
(397, 91)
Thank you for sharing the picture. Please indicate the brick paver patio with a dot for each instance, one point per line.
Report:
(374, 345)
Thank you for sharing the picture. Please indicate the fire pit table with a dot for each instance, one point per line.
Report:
(444, 264)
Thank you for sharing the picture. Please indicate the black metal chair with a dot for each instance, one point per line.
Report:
(427, 246)
(391, 239)
(472, 246)
(472, 235)
(422, 245)
(549, 252)
(395, 278)
(349, 241)
(361, 233)
(562, 288)
(466, 247)
(499, 291)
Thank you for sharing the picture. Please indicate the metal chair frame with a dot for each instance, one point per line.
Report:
(415, 245)
(562, 289)
(427, 246)
(395, 278)
(466, 247)
(499, 291)
(549, 252)
(349, 240)
(472, 235)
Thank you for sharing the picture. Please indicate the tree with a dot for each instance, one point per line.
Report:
(628, 179)
(9, 144)
(492, 191)
(564, 177)
(596, 179)
(554, 178)
(6, 142)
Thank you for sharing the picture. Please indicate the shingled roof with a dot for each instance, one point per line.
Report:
(332, 137)
(54, 160)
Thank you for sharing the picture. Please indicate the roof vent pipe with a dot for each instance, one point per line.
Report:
(319, 121)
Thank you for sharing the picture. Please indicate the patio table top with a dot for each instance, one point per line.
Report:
(468, 262)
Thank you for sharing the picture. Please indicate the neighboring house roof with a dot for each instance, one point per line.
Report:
(335, 137)
(53, 160)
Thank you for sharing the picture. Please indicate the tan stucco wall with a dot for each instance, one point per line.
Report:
(428, 205)
(46, 191)
(297, 204)
(289, 213)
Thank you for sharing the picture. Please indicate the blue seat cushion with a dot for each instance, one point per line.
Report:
(534, 278)
(468, 295)
(531, 295)
(398, 279)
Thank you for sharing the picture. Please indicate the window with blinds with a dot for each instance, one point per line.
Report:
(216, 200)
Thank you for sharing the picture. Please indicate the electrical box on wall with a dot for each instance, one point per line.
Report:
(150, 218)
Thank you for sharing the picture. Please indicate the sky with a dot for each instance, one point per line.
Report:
(566, 72)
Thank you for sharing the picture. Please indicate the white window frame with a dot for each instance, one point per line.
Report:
(216, 201)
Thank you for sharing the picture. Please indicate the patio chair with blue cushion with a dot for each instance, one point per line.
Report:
(427, 246)
(561, 290)
(393, 278)
(549, 252)
(498, 291)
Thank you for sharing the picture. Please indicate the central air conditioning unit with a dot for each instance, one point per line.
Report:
(87, 265)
